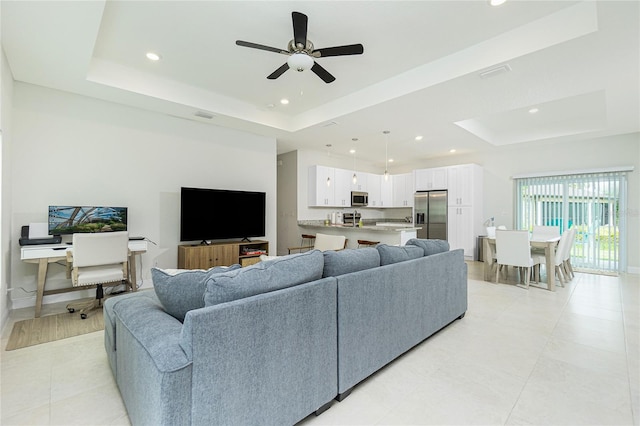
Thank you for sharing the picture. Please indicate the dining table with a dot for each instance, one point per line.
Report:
(548, 244)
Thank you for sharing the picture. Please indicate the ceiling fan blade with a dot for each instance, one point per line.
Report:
(351, 49)
(277, 73)
(261, 47)
(322, 73)
(299, 29)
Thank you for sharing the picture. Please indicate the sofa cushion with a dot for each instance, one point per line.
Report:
(394, 254)
(349, 260)
(270, 275)
(430, 246)
(181, 290)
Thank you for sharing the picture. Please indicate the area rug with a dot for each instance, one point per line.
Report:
(53, 327)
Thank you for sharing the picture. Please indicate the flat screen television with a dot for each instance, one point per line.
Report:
(76, 219)
(220, 214)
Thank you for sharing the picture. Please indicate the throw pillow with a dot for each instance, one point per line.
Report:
(181, 290)
(394, 254)
(430, 246)
(270, 275)
(349, 260)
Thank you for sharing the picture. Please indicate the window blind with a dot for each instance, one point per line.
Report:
(591, 202)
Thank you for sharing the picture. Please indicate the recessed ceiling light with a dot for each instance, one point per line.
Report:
(452, 150)
(419, 138)
(284, 101)
(496, 2)
(391, 160)
(352, 151)
(533, 110)
(152, 56)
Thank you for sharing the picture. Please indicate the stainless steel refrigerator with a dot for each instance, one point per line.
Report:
(431, 214)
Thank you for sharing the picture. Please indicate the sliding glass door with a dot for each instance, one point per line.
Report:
(590, 202)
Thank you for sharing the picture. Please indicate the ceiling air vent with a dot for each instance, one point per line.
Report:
(492, 72)
(203, 114)
(329, 124)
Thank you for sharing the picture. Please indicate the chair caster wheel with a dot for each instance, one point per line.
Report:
(83, 316)
(71, 310)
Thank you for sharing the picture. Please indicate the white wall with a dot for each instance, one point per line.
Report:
(74, 150)
(6, 100)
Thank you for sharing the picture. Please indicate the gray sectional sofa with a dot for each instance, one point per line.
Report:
(279, 340)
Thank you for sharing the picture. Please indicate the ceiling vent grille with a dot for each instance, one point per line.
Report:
(492, 72)
(329, 124)
(203, 114)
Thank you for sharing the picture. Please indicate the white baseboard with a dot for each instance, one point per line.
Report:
(633, 269)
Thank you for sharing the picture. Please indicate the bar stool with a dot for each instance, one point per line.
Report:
(367, 243)
(309, 237)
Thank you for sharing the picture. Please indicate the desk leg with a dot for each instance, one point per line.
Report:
(550, 254)
(43, 264)
(133, 279)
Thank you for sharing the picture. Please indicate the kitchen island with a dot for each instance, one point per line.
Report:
(391, 233)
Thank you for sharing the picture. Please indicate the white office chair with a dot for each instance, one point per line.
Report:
(513, 249)
(324, 242)
(98, 259)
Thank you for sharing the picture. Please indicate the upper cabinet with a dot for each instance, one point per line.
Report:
(431, 179)
(465, 182)
(403, 190)
(362, 181)
(342, 188)
(321, 184)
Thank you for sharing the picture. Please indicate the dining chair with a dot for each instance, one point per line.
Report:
(324, 242)
(545, 232)
(97, 259)
(513, 249)
(562, 252)
(566, 259)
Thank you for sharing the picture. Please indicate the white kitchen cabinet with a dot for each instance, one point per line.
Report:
(362, 182)
(403, 190)
(461, 233)
(386, 192)
(463, 183)
(342, 190)
(321, 184)
(431, 179)
(374, 189)
(464, 199)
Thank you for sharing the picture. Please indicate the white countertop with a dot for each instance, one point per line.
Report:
(379, 227)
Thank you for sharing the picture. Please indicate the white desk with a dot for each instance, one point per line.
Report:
(42, 255)
(549, 253)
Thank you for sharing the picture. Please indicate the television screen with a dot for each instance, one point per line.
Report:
(76, 219)
(217, 214)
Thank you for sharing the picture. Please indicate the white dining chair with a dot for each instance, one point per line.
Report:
(559, 258)
(541, 233)
(567, 257)
(513, 249)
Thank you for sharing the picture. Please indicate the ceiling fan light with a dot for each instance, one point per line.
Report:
(300, 62)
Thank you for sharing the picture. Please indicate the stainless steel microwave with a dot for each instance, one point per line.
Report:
(359, 199)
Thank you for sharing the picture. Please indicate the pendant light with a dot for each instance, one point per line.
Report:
(353, 151)
(386, 154)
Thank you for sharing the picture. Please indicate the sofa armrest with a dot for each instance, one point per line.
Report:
(157, 332)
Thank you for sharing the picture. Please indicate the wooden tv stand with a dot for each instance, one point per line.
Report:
(221, 254)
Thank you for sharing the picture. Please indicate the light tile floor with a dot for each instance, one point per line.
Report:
(519, 357)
